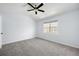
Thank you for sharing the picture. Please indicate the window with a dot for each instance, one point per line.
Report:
(50, 27)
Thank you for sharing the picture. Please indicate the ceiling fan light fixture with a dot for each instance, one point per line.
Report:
(36, 8)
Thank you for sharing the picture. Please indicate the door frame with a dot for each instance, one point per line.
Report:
(0, 31)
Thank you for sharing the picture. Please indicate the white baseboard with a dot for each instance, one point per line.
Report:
(16, 41)
(67, 44)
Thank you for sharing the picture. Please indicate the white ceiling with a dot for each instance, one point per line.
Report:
(50, 9)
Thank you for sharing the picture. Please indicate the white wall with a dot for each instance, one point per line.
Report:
(17, 27)
(68, 29)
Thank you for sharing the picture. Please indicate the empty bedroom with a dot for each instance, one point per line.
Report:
(39, 29)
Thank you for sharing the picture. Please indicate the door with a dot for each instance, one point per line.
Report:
(0, 32)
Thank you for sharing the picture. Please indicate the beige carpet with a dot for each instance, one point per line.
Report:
(37, 47)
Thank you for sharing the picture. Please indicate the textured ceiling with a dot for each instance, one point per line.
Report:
(50, 9)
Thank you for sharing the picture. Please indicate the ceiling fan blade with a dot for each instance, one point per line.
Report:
(31, 5)
(30, 10)
(41, 10)
(36, 12)
(40, 5)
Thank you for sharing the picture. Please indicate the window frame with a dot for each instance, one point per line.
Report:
(52, 27)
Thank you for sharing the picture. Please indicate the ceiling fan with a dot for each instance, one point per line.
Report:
(36, 8)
